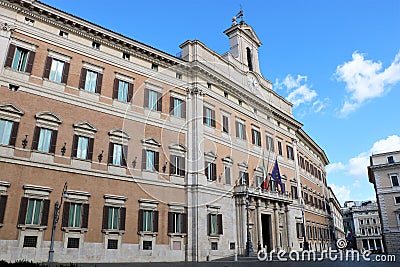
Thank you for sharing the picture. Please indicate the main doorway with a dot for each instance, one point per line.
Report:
(266, 231)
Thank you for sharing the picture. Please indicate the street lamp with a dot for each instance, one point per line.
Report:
(249, 245)
(56, 216)
(305, 243)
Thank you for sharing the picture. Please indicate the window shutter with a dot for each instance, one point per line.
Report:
(82, 80)
(10, 56)
(46, 72)
(213, 118)
(65, 215)
(170, 222)
(124, 155)
(172, 167)
(184, 223)
(227, 175)
(90, 149)
(85, 215)
(65, 73)
(183, 106)
(122, 218)
(204, 115)
(182, 170)
(130, 92)
(244, 132)
(140, 222)
(237, 128)
(155, 221)
(53, 141)
(29, 64)
(146, 98)
(171, 105)
(159, 102)
(106, 210)
(35, 139)
(225, 124)
(253, 139)
(110, 153)
(3, 203)
(206, 170)
(99, 83)
(246, 178)
(74, 150)
(214, 171)
(143, 159)
(157, 161)
(115, 89)
(45, 213)
(209, 224)
(22, 210)
(14, 133)
(259, 139)
(219, 224)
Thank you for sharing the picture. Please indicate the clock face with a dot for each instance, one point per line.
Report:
(252, 82)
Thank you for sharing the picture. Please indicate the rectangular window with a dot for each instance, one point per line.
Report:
(153, 100)
(126, 56)
(20, 59)
(154, 67)
(96, 45)
(5, 132)
(290, 154)
(280, 151)
(117, 155)
(393, 177)
(73, 242)
(178, 107)
(91, 80)
(29, 21)
(150, 160)
(397, 200)
(361, 222)
(44, 140)
(211, 171)
(113, 218)
(75, 211)
(82, 149)
(30, 241)
(256, 137)
(63, 34)
(215, 224)
(147, 245)
(177, 223)
(244, 178)
(178, 76)
(225, 124)
(214, 245)
(123, 91)
(294, 192)
(177, 165)
(209, 117)
(270, 144)
(390, 159)
(147, 220)
(227, 175)
(56, 70)
(33, 212)
(240, 130)
(299, 230)
(112, 244)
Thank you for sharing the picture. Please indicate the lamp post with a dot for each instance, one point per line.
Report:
(56, 216)
(249, 245)
(305, 243)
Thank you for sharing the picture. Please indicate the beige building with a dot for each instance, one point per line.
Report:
(335, 211)
(152, 157)
(384, 173)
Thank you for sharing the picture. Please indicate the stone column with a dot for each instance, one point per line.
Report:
(276, 217)
(259, 222)
(289, 232)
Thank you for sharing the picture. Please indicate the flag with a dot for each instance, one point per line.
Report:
(275, 174)
(265, 181)
(349, 235)
(240, 14)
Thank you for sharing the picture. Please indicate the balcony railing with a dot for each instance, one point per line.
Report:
(260, 193)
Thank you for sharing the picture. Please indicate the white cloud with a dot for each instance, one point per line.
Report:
(392, 143)
(301, 95)
(342, 192)
(365, 80)
(336, 166)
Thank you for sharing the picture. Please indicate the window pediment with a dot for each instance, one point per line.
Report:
(243, 165)
(10, 111)
(210, 155)
(227, 160)
(152, 142)
(49, 117)
(85, 128)
(259, 169)
(119, 136)
(177, 148)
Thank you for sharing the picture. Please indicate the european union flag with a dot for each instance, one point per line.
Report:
(275, 174)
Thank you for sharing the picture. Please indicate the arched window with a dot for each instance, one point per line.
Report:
(249, 60)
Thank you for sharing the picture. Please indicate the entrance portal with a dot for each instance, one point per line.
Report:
(266, 231)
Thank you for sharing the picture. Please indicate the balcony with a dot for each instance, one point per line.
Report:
(260, 193)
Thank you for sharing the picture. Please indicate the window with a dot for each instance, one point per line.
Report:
(367, 221)
(178, 107)
(20, 59)
(91, 81)
(232, 245)
(153, 100)
(29, 21)
(256, 137)
(225, 124)
(44, 140)
(82, 147)
(211, 171)
(249, 59)
(126, 56)
(240, 130)
(96, 45)
(290, 154)
(299, 230)
(177, 222)
(280, 151)
(294, 192)
(75, 211)
(56, 70)
(209, 85)
(270, 143)
(177, 165)
(63, 34)
(112, 244)
(376, 230)
(148, 220)
(34, 211)
(73, 242)
(214, 245)
(397, 200)
(209, 117)
(361, 222)
(226, 94)
(374, 221)
(244, 178)
(154, 67)
(30, 241)
(114, 218)
(240, 102)
(394, 179)
(390, 159)
(150, 160)
(147, 245)
(178, 76)
(117, 154)
(227, 173)
(215, 224)
(8, 132)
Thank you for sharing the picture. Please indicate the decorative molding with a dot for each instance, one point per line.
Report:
(11, 112)
(5, 26)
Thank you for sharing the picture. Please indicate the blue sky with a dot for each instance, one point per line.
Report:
(338, 61)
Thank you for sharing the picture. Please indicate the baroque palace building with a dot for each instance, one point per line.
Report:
(151, 157)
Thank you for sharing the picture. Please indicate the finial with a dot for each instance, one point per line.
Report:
(239, 15)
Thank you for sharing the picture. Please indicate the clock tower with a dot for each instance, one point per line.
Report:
(244, 45)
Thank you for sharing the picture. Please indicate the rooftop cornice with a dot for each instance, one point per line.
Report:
(81, 27)
(308, 140)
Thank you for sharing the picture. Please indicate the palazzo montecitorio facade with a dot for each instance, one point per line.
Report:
(151, 156)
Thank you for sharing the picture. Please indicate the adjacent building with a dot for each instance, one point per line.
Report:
(384, 173)
(362, 226)
(149, 156)
(335, 211)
